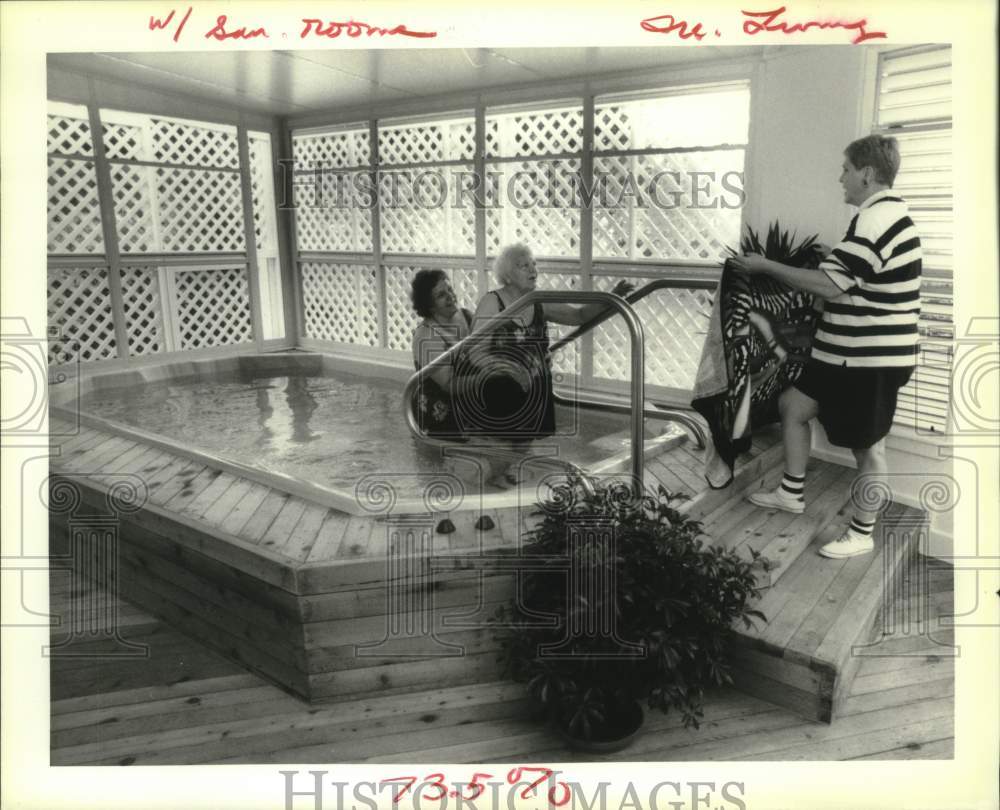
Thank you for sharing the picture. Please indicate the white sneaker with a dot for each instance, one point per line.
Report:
(778, 499)
(849, 544)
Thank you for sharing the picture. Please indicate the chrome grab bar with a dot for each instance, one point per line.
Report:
(614, 302)
(681, 282)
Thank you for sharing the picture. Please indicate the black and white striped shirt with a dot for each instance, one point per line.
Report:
(877, 265)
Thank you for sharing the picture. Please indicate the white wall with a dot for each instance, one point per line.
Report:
(807, 105)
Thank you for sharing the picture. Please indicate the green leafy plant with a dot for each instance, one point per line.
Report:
(779, 245)
(661, 598)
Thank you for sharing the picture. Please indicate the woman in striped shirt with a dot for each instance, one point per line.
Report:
(866, 342)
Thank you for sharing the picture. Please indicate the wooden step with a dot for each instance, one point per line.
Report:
(781, 536)
(805, 655)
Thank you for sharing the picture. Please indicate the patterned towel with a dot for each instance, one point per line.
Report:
(757, 345)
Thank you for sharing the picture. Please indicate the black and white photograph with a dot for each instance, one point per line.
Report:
(437, 411)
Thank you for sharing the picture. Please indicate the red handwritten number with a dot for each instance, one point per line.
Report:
(479, 786)
(514, 776)
(436, 780)
(410, 781)
(565, 796)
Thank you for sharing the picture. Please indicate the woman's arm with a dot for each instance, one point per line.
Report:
(426, 347)
(815, 282)
(576, 315)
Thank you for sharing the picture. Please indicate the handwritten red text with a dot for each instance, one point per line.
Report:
(768, 22)
(558, 794)
(159, 25)
(332, 30)
(220, 33)
(666, 24)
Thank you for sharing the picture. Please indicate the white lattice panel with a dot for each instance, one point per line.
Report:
(124, 141)
(69, 136)
(262, 191)
(418, 213)
(335, 150)
(143, 310)
(200, 210)
(674, 322)
(400, 318)
(134, 213)
(537, 205)
(654, 206)
(213, 307)
(612, 127)
(339, 302)
(79, 309)
(534, 133)
(74, 212)
(465, 283)
(326, 219)
(427, 142)
(192, 145)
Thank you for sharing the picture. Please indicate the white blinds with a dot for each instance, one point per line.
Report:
(913, 104)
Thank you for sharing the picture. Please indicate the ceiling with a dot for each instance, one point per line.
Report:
(292, 83)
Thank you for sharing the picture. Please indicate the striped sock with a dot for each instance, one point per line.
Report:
(861, 527)
(793, 486)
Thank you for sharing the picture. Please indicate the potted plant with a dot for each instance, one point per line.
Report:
(624, 603)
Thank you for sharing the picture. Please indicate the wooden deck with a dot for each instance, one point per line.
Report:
(186, 704)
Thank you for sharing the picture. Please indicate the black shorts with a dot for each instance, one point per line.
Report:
(856, 405)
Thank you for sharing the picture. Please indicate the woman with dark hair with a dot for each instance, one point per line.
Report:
(444, 324)
(865, 346)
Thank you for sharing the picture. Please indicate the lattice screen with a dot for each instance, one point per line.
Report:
(674, 322)
(330, 215)
(69, 135)
(192, 145)
(336, 150)
(200, 210)
(534, 133)
(74, 212)
(143, 309)
(419, 214)
(539, 206)
(712, 116)
(656, 217)
(213, 307)
(135, 214)
(427, 142)
(79, 307)
(125, 141)
(339, 302)
(401, 320)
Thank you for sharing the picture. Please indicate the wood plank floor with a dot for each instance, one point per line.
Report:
(184, 704)
(293, 528)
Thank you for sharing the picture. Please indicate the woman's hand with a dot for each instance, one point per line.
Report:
(752, 264)
(622, 288)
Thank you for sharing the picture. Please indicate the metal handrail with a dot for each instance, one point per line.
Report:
(682, 282)
(614, 302)
(660, 411)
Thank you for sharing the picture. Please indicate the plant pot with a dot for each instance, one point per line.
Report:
(615, 735)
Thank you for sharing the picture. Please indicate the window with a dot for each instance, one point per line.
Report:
(913, 104)
(663, 178)
(176, 274)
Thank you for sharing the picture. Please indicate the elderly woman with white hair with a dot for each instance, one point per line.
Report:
(511, 400)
